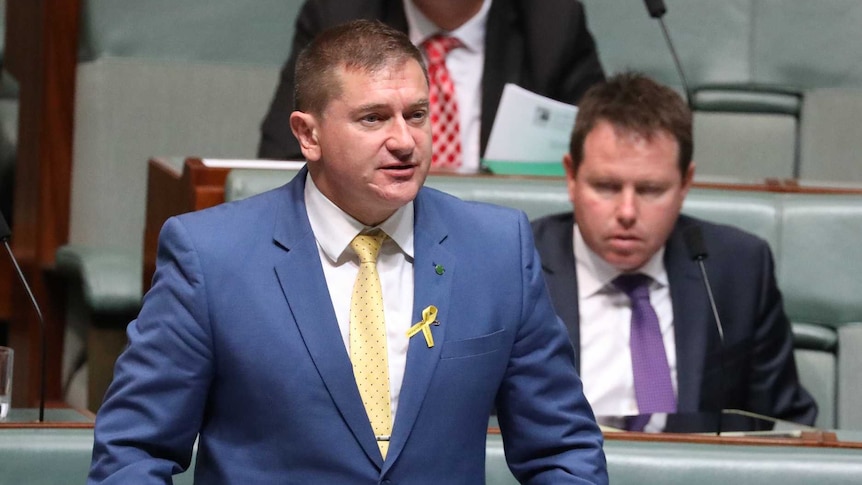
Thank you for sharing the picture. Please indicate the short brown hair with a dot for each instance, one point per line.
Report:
(633, 102)
(364, 45)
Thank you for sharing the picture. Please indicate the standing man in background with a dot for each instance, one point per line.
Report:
(473, 48)
(350, 327)
(623, 281)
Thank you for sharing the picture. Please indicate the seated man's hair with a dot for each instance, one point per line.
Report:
(632, 102)
(362, 45)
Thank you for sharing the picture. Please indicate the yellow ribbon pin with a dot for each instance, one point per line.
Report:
(429, 317)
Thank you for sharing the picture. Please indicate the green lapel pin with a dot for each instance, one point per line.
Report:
(439, 269)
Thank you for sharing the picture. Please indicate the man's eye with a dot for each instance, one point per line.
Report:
(605, 187)
(651, 190)
(372, 118)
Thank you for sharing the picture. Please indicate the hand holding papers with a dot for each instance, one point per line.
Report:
(530, 134)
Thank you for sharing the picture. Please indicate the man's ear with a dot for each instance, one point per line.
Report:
(571, 173)
(569, 166)
(304, 127)
(688, 178)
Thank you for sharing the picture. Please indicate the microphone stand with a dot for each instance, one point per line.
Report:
(657, 9)
(41, 330)
(720, 342)
(676, 62)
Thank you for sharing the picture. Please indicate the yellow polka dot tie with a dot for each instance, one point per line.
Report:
(368, 338)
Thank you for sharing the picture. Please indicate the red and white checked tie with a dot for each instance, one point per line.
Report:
(445, 124)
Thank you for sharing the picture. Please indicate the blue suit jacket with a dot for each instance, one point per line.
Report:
(237, 341)
(755, 370)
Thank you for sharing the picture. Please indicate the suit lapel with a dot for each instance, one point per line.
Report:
(304, 286)
(558, 264)
(691, 320)
(430, 288)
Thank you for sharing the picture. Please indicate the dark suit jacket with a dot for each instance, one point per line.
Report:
(541, 46)
(759, 369)
(237, 340)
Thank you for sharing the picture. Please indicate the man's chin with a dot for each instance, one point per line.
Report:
(626, 262)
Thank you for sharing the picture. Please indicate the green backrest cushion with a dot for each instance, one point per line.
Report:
(806, 43)
(752, 211)
(258, 32)
(819, 272)
(129, 110)
(166, 78)
(831, 135)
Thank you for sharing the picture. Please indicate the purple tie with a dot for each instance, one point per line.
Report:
(653, 389)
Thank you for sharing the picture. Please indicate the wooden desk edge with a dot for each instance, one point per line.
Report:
(826, 439)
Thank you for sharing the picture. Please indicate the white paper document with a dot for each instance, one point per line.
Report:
(530, 134)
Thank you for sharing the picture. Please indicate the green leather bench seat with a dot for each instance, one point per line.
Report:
(50, 457)
(664, 463)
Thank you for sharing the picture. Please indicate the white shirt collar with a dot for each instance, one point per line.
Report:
(471, 33)
(595, 274)
(334, 229)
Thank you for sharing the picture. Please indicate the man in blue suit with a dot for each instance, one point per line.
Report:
(246, 339)
(628, 171)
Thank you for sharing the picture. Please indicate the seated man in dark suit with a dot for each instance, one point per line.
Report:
(622, 280)
(541, 46)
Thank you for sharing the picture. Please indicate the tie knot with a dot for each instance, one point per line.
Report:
(635, 285)
(438, 45)
(366, 246)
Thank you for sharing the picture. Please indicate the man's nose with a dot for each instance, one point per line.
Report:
(400, 139)
(627, 208)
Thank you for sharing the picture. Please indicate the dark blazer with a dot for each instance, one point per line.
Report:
(541, 46)
(759, 368)
(237, 340)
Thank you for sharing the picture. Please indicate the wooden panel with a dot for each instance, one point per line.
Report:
(7, 277)
(41, 53)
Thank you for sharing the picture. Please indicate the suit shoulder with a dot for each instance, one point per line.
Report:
(725, 236)
(236, 217)
(553, 223)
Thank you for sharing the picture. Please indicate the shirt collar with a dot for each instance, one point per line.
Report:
(334, 229)
(471, 33)
(595, 274)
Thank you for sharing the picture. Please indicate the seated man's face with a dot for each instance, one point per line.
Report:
(627, 194)
(372, 144)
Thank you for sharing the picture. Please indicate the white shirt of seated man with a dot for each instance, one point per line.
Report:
(605, 329)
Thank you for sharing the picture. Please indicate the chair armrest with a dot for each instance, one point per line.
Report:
(110, 278)
(747, 98)
(815, 337)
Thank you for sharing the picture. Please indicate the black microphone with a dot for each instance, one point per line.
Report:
(697, 250)
(657, 10)
(5, 232)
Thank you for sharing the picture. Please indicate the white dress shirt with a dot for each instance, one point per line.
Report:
(605, 329)
(465, 65)
(334, 229)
